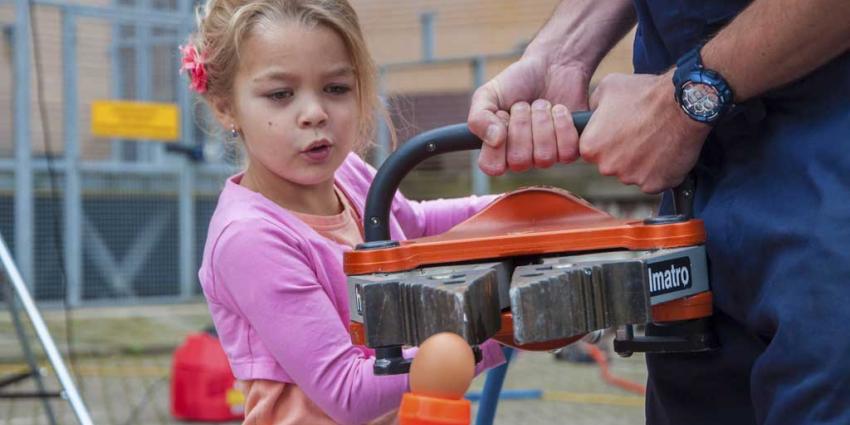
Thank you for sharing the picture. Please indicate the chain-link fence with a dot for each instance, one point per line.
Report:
(105, 221)
(93, 220)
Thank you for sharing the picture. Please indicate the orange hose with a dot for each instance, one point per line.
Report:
(599, 357)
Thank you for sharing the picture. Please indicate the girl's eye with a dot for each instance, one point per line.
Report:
(337, 89)
(279, 95)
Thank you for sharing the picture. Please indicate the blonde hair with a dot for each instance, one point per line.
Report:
(223, 25)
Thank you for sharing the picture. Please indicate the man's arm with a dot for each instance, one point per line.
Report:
(581, 32)
(774, 42)
(638, 132)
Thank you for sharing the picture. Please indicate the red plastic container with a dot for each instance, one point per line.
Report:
(202, 385)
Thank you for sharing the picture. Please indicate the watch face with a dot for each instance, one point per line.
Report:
(701, 101)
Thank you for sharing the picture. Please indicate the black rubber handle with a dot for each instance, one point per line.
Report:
(452, 138)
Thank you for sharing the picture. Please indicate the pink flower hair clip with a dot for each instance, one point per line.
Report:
(193, 65)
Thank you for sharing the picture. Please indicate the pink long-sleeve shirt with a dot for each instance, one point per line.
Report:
(277, 294)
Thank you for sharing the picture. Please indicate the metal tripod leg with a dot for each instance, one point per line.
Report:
(68, 387)
(35, 372)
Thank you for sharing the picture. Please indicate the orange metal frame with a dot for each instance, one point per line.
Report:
(536, 221)
(531, 221)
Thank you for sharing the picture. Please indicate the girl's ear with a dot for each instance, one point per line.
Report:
(224, 113)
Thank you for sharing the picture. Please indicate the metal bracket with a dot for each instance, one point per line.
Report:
(556, 298)
(406, 308)
(680, 337)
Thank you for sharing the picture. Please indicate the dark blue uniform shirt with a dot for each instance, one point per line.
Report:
(773, 187)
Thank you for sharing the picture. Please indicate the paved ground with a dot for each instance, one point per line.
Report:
(123, 362)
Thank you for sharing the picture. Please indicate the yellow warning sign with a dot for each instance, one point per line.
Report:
(135, 120)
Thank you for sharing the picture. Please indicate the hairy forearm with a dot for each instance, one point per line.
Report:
(581, 32)
(774, 42)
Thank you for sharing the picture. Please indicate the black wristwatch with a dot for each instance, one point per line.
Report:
(702, 93)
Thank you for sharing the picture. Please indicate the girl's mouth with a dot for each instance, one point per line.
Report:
(318, 151)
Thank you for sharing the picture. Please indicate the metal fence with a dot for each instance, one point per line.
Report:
(102, 221)
(95, 221)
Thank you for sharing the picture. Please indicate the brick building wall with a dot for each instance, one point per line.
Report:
(93, 41)
(421, 97)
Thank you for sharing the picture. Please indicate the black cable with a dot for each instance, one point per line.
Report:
(57, 234)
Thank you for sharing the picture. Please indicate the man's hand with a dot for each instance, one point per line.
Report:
(640, 134)
(510, 111)
(523, 114)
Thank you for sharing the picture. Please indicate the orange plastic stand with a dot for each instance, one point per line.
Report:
(421, 410)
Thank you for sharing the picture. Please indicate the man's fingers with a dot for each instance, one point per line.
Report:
(545, 149)
(493, 161)
(566, 134)
(482, 119)
(593, 102)
(503, 116)
(519, 153)
(596, 135)
(588, 143)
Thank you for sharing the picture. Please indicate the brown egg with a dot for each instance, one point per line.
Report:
(443, 367)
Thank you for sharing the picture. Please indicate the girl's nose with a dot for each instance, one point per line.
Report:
(313, 114)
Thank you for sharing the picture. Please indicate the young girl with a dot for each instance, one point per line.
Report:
(293, 81)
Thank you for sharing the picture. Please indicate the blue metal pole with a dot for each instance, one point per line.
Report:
(23, 147)
(73, 210)
(144, 76)
(186, 189)
(426, 21)
(520, 394)
(480, 181)
(117, 151)
(383, 149)
(492, 387)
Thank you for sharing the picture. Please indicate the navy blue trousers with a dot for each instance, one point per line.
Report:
(773, 187)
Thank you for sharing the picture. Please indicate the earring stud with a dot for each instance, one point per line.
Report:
(234, 133)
